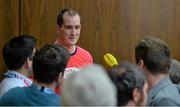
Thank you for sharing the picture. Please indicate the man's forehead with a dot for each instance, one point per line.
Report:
(71, 15)
(72, 20)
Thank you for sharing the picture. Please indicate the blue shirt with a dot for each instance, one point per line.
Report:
(29, 96)
(165, 93)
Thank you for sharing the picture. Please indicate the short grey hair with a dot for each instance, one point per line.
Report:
(91, 86)
(174, 72)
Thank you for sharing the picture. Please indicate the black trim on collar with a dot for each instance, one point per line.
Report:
(74, 52)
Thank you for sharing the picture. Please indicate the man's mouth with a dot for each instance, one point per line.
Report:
(71, 39)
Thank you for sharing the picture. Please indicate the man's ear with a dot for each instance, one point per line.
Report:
(141, 63)
(59, 79)
(136, 95)
(58, 29)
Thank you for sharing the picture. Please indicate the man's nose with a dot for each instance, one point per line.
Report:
(73, 32)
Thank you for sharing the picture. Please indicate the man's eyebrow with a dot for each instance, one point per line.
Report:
(68, 26)
(72, 25)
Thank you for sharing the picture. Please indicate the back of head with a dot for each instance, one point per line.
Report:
(17, 50)
(174, 73)
(48, 62)
(91, 87)
(155, 55)
(64, 11)
(127, 77)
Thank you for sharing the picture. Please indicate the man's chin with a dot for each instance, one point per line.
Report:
(72, 43)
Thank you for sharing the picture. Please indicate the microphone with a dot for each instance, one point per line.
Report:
(110, 60)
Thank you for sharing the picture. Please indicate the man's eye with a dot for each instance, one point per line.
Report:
(68, 27)
(77, 27)
(72, 27)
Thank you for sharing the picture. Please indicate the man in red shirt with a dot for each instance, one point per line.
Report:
(68, 29)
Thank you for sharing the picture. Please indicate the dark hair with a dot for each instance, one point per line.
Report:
(17, 50)
(127, 77)
(155, 54)
(70, 12)
(174, 73)
(48, 62)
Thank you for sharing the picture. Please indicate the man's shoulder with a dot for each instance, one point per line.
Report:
(80, 49)
(170, 90)
(11, 96)
(168, 95)
(15, 91)
(165, 101)
(83, 52)
(164, 87)
(9, 83)
(80, 59)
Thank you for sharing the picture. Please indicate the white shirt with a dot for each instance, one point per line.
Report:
(69, 71)
(13, 79)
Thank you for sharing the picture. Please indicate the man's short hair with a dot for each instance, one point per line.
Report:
(155, 54)
(17, 50)
(60, 16)
(91, 86)
(127, 77)
(48, 62)
(174, 71)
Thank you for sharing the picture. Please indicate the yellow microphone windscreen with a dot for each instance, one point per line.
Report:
(110, 60)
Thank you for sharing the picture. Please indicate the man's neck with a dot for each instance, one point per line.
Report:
(51, 85)
(70, 48)
(22, 71)
(153, 80)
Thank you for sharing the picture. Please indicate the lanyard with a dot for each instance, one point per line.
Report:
(42, 89)
(13, 74)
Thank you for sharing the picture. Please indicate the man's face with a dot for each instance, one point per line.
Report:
(70, 30)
